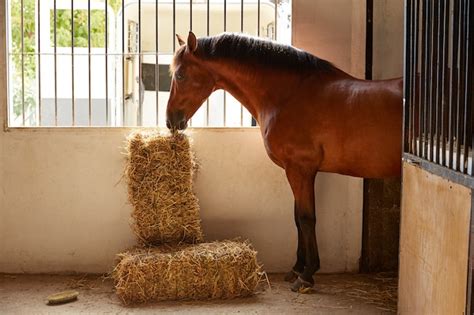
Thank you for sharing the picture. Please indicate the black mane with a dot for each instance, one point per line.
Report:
(259, 51)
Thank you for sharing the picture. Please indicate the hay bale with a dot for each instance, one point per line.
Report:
(224, 270)
(159, 173)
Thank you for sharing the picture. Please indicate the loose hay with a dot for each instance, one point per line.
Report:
(159, 173)
(223, 270)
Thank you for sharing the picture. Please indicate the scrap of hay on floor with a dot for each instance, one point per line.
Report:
(159, 174)
(226, 269)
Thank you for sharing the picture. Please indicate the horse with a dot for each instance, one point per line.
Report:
(313, 117)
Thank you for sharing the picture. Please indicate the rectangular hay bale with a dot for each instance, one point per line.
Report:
(218, 270)
(159, 175)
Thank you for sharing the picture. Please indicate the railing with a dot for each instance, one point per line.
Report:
(438, 91)
(90, 63)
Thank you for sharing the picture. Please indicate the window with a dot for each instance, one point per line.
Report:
(88, 63)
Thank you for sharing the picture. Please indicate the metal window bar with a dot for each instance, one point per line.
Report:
(140, 85)
(241, 30)
(22, 63)
(39, 64)
(106, 42)
(123, 64)
(438, 104)
(55, 68)
(191, 29)
(157, 68)
(225, 93)
(73, 103)
(89, 58)
(207, 33)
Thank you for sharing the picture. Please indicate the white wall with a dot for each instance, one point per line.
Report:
(388, 39)
(61, 208)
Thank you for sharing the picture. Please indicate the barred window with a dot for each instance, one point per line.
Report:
(89, 63)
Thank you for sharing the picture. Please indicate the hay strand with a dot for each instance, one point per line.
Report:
(223, 270)
(159, 175)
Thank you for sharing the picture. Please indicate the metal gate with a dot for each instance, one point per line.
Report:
(438, 96)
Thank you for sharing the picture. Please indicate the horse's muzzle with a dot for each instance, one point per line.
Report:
(176, 121)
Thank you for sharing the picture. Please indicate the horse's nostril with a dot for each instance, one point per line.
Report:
(168, 124)
(182, 125)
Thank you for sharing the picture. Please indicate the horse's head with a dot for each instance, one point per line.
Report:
(191, 84)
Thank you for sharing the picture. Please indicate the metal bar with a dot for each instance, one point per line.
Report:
(460, 111)
(470, 91)
(123, 62)
(191, 29)
(22, 62)
(407, 76)
(433, 82)
(225, 95)
(369, 39)
(439, 56)
(258, 18)
(444, 172)
(174, 26)
(453, 99)
(207, 33)
(55, 69)
(89, 56)
(157, 66)
(140, 101)
(412, 80)
(466, 88)
(445, 80)
(39, 65)
(426, 72)
(276, 20)
(241, 31)
(415, 86)
(419, 60)
(73, 101)
(107, 118)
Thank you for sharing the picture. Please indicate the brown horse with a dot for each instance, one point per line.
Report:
(313, 117)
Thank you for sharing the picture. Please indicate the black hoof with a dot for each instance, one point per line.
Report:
(301, 286)
(291, 276)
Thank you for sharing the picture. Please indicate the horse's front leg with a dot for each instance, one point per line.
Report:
(298, 268)
(302, 184)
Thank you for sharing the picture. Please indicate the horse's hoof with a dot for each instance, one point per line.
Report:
(301, 286)
(291, 276)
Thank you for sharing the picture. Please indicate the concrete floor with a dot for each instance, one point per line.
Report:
(333, 294)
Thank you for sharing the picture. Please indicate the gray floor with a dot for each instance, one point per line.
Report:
(333, 294)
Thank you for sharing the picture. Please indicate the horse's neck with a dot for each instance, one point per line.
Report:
(254, 87)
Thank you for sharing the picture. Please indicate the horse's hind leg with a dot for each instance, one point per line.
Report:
(302, 183)
(298, 268)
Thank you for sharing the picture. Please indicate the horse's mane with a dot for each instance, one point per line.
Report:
(260, 51)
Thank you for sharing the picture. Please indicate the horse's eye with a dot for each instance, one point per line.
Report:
(179, 76)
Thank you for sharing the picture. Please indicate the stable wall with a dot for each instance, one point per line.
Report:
(63, 206)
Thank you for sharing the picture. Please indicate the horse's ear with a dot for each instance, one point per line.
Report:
(192, 42)
(180, 40)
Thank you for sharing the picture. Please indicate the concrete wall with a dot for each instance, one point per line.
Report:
(62, 207)
(388, 39)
